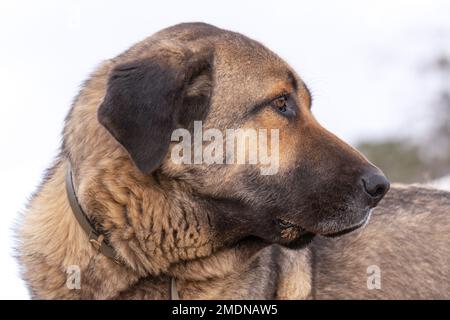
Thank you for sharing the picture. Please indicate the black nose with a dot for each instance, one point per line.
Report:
(376, 185)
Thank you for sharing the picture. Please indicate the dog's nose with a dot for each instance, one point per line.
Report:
(376, 185)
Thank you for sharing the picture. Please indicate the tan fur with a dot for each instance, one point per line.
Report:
(407, 238)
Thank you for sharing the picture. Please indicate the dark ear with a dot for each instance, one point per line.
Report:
(146, 100)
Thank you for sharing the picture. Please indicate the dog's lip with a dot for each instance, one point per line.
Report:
(342, 232)
(285, 224)
(350, 229)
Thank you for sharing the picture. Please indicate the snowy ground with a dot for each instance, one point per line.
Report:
(362, 61)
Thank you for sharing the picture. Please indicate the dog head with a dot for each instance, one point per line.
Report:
(201, 79)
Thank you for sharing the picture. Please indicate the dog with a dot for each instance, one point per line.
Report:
(116, 218)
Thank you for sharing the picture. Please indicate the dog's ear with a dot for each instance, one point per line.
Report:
(146, 99)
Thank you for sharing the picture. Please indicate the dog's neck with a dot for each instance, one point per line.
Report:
(59, 261)
(155, 245)
(150, 223)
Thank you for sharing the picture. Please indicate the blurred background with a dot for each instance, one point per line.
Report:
(379, 72)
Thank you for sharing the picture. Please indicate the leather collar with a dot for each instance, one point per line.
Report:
(97, 239)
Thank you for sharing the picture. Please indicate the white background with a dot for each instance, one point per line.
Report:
(363, 60)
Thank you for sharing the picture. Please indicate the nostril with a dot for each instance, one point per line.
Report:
(376, 185)
(379, 190)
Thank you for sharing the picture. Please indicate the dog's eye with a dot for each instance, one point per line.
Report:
(284, 105)
(280, 104)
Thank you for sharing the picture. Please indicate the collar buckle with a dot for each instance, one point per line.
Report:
(97, 243)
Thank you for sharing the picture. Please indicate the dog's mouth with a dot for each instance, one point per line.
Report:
(345, 231)
(291, 231)
(292, 235)
(284, 224)
(351, 228)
